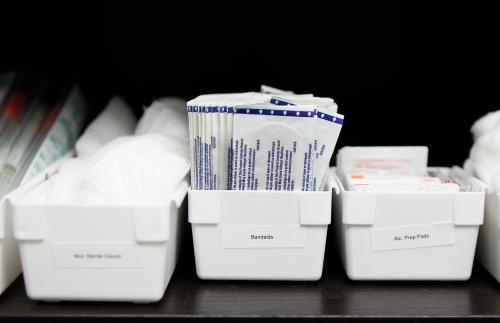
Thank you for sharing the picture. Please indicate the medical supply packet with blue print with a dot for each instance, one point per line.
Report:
(277, 140)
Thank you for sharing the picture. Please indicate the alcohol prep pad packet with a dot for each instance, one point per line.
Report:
(273, 140)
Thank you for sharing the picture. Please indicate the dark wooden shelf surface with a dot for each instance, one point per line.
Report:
(334, 298)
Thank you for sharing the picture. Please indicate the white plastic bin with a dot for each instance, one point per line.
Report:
(489, 235)
(259, 235)
(10, 264)
(98, 253)
(408, 235)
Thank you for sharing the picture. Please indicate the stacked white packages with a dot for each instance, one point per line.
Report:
(274, 140)
(394, 169)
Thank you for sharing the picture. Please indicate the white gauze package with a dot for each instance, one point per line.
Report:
(272, 147)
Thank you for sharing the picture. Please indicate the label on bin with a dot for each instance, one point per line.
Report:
(263, 236)
(91, 255)
(414, 236)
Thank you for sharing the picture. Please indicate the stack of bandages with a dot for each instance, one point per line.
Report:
(273, 140)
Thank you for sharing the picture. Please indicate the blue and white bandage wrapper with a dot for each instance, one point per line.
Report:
(275, 140)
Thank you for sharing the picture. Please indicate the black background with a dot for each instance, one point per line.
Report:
(403, 73)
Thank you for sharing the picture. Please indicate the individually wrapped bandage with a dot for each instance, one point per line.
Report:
(273, 147)
(211, 123)
(328, 124)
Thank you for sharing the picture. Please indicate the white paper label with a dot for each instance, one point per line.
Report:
(415, 236)
(89, 255)
(263, 236)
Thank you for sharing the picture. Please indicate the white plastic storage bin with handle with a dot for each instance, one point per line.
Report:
(97, 253)
(260, 235)
(408, 235)
(489, 235)
(10, 263)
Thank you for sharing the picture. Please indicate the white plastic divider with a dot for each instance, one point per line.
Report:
(408, 235)
(10, 264)
(260, 235)
(98, 253)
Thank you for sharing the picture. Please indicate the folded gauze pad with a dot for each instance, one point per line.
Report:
(116, 120)
(166, 116)
(140, 170)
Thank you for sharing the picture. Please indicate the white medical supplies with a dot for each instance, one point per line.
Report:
(275, 140)
(119, 168)
(405, 228)
(110, 216)
(484, 161)
(116, 120)
(260, 202)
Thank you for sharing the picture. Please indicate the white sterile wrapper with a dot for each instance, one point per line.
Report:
(228, 102)
(327, 131)
(207, 146)
(319, 102)
(192, 146)
(222, 152)
(228, 155)
(201, 158)
(272, 90)
(328, 124)
(204, 147)
(272, 147)
(215, 146)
